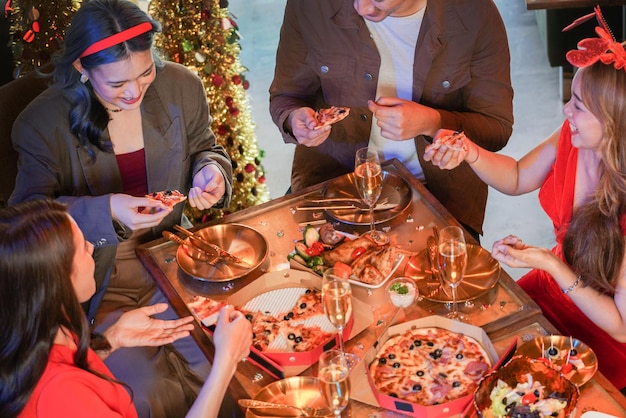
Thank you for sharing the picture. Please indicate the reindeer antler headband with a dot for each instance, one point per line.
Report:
(605, 48)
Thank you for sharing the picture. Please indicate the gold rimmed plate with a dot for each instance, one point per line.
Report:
(395, 191)
(299, 391)
(585, 361)
(481, 275)
(239, 240)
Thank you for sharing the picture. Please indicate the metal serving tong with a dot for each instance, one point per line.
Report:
(302, 411)
(210, 248)
(345, 203)
(194, 252)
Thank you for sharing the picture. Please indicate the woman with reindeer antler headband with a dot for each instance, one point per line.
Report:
(580, 171)
(117, 126)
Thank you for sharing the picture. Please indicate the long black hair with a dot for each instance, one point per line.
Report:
(96, 20)
(36, 297)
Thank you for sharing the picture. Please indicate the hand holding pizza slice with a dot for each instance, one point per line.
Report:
(454, 141)
(167, 197)
(333, 114)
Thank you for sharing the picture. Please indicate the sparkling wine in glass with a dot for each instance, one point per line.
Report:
(337, 298)
(333, 375)
(368, 175)
(452, 262)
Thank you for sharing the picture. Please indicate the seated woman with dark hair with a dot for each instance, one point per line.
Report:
(47, 368)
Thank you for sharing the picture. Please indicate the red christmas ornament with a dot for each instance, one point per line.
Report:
(246, 84)
(233, 111)
(237, 79)
(261, 179)
(223, 129)
(249, 168)
(217, 80)
(229, 101)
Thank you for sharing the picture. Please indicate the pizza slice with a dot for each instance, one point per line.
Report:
(167, 197)
(453, 141)
(309, 304)
(265, 329)
(333, 114)
(205, 309)
(302, 338)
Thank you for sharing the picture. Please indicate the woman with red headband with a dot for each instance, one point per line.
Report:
(116, 125)
(580, 172)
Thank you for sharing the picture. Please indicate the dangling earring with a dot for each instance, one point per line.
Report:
(83, 78)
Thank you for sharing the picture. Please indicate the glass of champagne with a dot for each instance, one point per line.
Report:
(368, 175)
(337, 298)
(452, 262)
(333, 375)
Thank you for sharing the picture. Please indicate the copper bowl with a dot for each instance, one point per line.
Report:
(240, 240)
(512, 372)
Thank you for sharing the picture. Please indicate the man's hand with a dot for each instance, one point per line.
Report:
(400, 119)
(302, 123)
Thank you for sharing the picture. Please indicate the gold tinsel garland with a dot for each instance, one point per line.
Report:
(202, 35)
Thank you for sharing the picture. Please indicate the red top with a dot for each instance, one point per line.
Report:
(66, 391)
(133, 171)
(557, 199)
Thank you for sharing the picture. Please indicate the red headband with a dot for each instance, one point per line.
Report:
(117, 38)
(605, 48)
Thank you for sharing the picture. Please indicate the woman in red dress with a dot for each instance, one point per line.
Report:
(580, 171)
(50, 365)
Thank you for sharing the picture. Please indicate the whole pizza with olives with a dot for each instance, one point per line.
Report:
(429, 366)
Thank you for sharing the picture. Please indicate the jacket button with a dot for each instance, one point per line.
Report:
(445, 84)
(324, 69)
(363, 117)
(367, 76)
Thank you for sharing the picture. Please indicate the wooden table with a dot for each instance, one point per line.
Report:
(504, 312)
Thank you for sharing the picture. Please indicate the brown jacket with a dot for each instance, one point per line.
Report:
(462, 68)
(178, 142)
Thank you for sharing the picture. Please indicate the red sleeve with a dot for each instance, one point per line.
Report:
(81, 394)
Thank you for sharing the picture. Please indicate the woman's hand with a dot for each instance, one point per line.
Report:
(208, 187)
(138, 212)
(232, 337)
(511, 251)
(446, 157)
(137, 328)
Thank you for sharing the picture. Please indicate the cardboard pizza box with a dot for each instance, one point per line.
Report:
(285, 364)
(451, 408)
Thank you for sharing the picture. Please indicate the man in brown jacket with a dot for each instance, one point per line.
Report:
(406, 68)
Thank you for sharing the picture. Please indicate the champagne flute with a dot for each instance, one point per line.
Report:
(368, 175)
(452, 262)
(337, 297)
(333, 375)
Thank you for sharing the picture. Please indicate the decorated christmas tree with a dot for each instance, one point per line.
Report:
(37, 28)
(202, 35)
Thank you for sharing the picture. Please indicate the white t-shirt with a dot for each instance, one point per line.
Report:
(395, 38)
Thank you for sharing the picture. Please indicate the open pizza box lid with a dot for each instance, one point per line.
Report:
(373, 396)
(282, 283)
